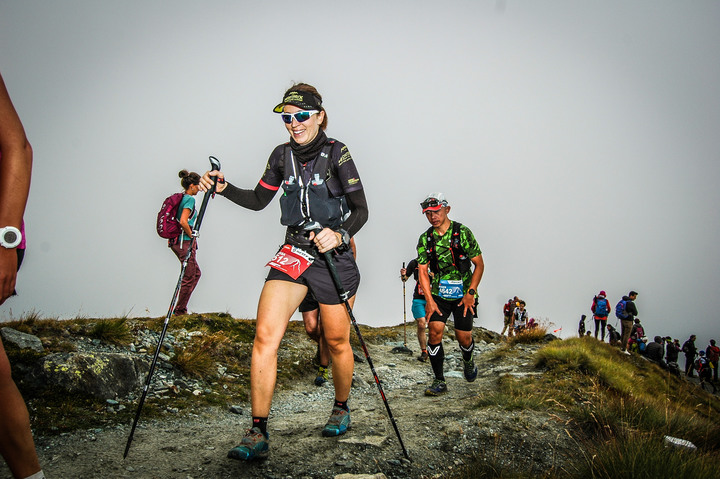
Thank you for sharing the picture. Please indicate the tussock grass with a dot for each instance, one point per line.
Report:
(645, 455)
(529, 336)
(622, 407)
(115, 331)
(515, 394)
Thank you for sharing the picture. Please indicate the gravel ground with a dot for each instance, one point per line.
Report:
(440, 434)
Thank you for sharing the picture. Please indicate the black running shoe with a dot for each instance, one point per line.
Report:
(470, 370)
(437, 388)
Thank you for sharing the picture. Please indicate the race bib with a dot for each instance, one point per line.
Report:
(291, 261)
(451, 288)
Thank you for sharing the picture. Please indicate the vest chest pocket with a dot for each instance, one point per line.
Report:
(291, 204)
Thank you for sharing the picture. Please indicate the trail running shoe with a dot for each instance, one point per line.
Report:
(338, 423)
(255, 445)
(322, 376)
(437, 388)
(423, 357)
(470, 370)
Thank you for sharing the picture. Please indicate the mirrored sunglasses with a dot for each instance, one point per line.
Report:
(300, 116)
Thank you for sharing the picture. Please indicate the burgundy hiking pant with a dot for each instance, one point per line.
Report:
(190, 278)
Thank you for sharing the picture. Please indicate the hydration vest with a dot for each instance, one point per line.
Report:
(306, 201)
(460, 259)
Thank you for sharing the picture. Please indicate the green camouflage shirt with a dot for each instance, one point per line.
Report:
(445, 263)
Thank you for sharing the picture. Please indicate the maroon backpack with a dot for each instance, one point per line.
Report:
(168, 226)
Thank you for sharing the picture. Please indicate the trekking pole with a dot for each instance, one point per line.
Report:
(344, 298)
(215, 166)
(404, 314)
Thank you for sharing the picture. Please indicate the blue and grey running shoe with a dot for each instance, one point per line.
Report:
(255, 445)
(470, 370)
(338, 423)
(437, 388)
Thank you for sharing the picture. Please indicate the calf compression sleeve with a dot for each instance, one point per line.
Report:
(467, 353)
(437, 358)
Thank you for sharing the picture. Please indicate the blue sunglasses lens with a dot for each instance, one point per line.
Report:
(300, 116)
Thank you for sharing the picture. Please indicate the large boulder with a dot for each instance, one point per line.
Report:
(102, 375)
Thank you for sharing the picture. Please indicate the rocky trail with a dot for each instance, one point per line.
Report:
(441, 434)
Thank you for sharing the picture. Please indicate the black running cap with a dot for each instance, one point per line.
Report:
(301, 99)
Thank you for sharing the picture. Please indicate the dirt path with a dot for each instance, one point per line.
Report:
(440, 434)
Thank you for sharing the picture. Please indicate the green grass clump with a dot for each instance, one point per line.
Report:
(515, 394)
(618, 396)
(114, 331)
(645, 455)
(529, 336)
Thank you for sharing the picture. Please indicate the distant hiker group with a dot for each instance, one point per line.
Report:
(516, 318)
(625, 311)
(662, 350)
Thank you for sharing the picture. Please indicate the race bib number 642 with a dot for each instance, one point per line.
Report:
(291, 261)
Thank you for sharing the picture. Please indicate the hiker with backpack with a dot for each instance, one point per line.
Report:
(175, 222)
(672, 350)
(690, 351)
(655, 350)
(418, 306)
(520, 318)
(626, 311)
(637, 329)
(713, 355)
(508, 309)
(600, 308)
(315, 173)
(450, 251)
(613, 335)
(16, 441)
(704, 369)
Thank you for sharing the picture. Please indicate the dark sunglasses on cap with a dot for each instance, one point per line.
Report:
(300, 116)
(432, 203)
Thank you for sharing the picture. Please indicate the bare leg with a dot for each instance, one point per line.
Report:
(464, 338)
(422, 340)
(16, 442)
(278, 301)
(336, 330)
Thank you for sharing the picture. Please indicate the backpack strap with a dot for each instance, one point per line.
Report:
(321, 167)
(457, 252)
(431, 251)
(455, 248)
(322, 162)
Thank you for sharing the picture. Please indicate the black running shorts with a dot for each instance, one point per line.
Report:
(308, 304)
(318, 280)
(454, 307)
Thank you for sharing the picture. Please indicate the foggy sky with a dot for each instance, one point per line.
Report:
(578, 140)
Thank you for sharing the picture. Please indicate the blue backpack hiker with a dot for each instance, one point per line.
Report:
(620, 311)
(601, 307)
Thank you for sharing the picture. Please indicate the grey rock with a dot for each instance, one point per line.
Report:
(22, 340)
(101, 375)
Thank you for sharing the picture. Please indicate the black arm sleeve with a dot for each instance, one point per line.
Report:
(256, 199)
(358, 212)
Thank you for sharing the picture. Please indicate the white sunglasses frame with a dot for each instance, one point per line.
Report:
(292, 116)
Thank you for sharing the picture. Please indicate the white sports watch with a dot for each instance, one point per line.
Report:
(10, 237)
